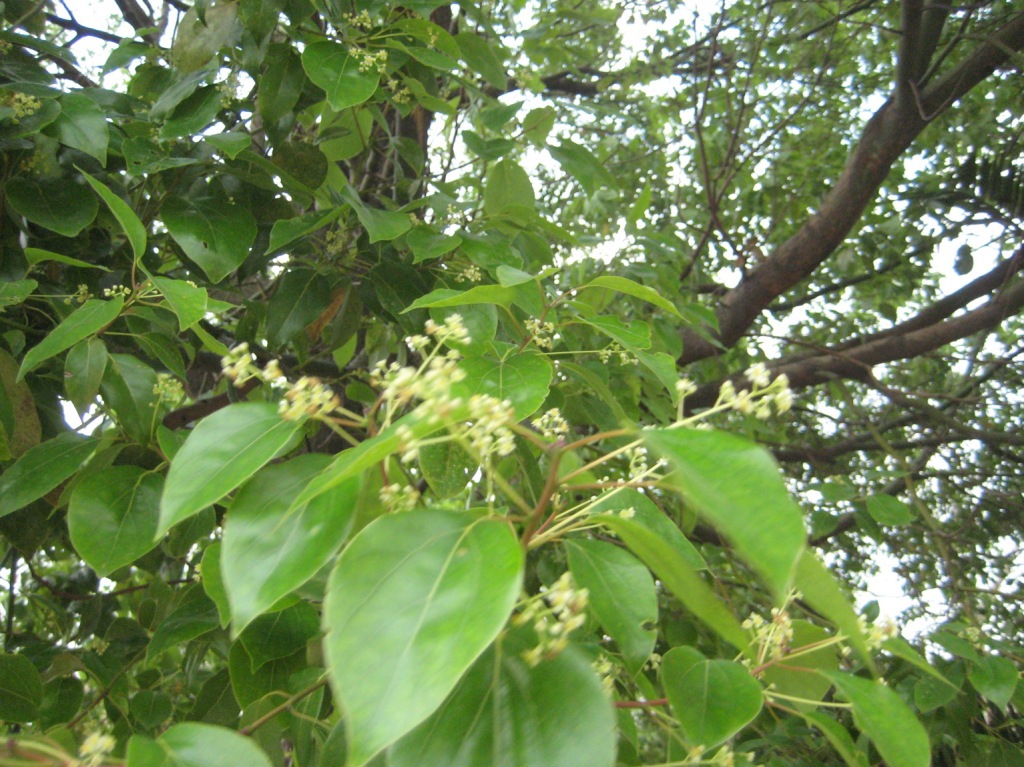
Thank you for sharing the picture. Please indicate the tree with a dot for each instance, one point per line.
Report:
(510, 383)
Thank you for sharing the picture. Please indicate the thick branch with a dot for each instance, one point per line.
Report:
(887, 135)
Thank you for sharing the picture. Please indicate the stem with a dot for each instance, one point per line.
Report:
(640, 703)
(251, 728)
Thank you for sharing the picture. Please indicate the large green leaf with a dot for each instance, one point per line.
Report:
(506, 713)
(823, 593)
(272, 547)
(523, 379)
(301, 297)
(112, 516)
(481, 294)
(188, 302)
(483, 58)
(994, 677)
(622, 596)
(194, 614)
(508, 190)
(83, 372)
(795, 676)
(201, 34)
(736, 485)
(674, 569)
(133, 227)
(216, 234)
(631, 288)
(380, 225)
(712, 699)
(62, 206)
(82, 125)
(42, 468)
(21, 689)
(334, 68)
(447, 467)
(416, 598)
(223, 451)
(15, 292)
(280, 634)
(643, 511)
(90, 318)
(883, 716)
(193, 744)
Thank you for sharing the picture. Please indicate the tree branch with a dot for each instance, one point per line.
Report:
(887, 135)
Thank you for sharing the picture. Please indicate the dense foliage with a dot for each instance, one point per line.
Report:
(510, 383)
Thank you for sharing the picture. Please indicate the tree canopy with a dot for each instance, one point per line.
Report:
(510, 383)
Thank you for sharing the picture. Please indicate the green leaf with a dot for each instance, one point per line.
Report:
(301, 297)
(795, 676)
(281, 83)
(578, 161)
(194, 114)
(82, 125)
(447, 467)
(481, 294)
(195, 614)
(823, 593)
(287, 230)
(426, 243)
(127, 390)
(630, 288)
(213, 581)
(38, 256)
(231, 143)
(622, 596)
(130, 223)
(736, 485)
(523, 379)
(380, 225)
(712, 699)
(42, 468)
(680, 577)
(889, 511)
(151, 708)
(443, 583)
(223, 451)
(19, 421)
(61, 206)
(648, 515)
(198, 38)
(193, 744)
(62, 699)
(21, 689)
(634, 336)
(994, 677)
(280, 634)
(538, 124)
(838, 736)
(483, 59)
(249, 686)
(508, 190)
(15, 292)
(883, 716)
(332, 67)
(215, 234)
(188, 302)
(88, 319)
(272, 547)
(112, 516)
(506, 713)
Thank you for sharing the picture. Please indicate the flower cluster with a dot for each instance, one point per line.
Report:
(606, 670)
(614, 349)
(360, 20)
(397, 498)
(552, 425)
(168, 389)
(470, 273)
(878, 632)
(370, 61)
(239, 364)
(488, 431)
(763, 394)
(94, 748)
(81, 295)
(118, 290)
(555, 613)
(308, 398)
(22, 104)
(774, 637)
(542, 332)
